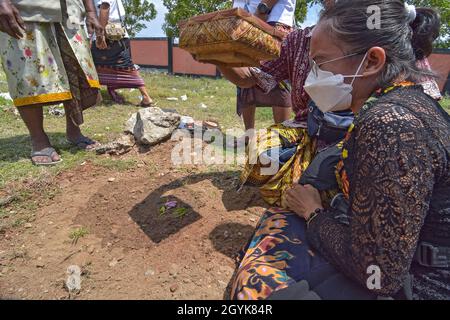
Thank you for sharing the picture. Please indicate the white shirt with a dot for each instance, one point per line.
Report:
(50, 11)
(116, 11)
(282, 12)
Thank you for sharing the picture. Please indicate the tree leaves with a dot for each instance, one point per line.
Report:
(138, 12)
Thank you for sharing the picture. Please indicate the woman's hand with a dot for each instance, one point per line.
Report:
(93, 25)
(100, 42)
(10, 20)
(262, 16)
(242, 77)
(303, 200)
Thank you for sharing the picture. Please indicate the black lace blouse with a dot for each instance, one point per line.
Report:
(399, 173)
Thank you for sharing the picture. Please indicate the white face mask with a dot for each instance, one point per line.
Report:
(328, 90)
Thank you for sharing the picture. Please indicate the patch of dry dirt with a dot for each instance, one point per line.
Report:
(132, 251)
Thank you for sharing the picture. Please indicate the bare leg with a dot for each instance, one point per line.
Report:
(281, 114)
(248, 114)
(73, 131)
(34, 120)
(117, 98)
(145, 96)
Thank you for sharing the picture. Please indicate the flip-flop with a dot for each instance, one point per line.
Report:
(83, 143)
(146, 105)
(46, 152)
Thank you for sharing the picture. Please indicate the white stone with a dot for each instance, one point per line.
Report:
(73, 282)
(151, 126)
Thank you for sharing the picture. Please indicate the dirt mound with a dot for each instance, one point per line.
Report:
(133, 249)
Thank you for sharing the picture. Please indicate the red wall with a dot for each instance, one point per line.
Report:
(440, 63)
(150, 52)
(184, 63)
(155, 52)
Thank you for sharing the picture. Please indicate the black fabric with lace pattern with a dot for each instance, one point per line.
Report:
(399, 173)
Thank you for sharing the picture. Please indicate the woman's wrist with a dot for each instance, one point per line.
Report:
(313, 214)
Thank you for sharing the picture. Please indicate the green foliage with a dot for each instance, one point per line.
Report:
(77, 234)
(179, 10)
(443, 7)
(301, 10)
(180, 212)
(138, 12)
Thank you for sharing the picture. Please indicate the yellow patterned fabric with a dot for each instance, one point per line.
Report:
(272, 187)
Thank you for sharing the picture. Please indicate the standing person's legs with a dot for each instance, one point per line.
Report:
(73, 132)
(34, 120)
(84, 85)
(281, 114)
(117, 98)
(34, 81)
(146, 99)
(248, 115)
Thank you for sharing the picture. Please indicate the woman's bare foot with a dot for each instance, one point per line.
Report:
(76, 138)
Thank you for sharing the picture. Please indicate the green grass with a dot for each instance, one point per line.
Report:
(77, 234)
(180, 212)
(446, 103)
(219, 96)
(31, 186)
(104, 123)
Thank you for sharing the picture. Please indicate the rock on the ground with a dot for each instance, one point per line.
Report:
(57, 111)
(173, 269)
(152, 125)
(174, 287)
(149, 272)
(6, 96)
(113, 263)
(118, 147)
(73, 282)
(7, 200)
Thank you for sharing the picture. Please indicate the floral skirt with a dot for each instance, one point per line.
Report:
(50, 65)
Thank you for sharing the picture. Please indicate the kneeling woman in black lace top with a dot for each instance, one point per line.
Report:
(394, 239)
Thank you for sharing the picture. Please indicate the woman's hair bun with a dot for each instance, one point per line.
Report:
(425, 28)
